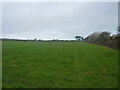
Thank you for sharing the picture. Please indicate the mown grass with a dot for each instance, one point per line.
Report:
(32, 64)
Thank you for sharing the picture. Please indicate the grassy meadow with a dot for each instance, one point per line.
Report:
(34, 64)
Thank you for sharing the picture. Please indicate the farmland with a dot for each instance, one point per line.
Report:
(34, 64)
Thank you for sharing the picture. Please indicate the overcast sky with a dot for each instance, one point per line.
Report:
(58, 20)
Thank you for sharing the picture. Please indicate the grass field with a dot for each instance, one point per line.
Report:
(33, 64)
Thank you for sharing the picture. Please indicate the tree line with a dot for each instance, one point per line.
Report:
(103, 38)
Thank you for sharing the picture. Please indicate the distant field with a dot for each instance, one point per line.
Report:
(32, 64)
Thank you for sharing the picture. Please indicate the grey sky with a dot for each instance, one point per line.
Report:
(58, 20)
(0, 19)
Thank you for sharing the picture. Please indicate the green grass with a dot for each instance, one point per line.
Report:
(58, 65)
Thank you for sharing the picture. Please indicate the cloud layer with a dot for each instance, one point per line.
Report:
(58, 20)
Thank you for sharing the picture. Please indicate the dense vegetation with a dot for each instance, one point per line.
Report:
(104, 38)
(30, 64)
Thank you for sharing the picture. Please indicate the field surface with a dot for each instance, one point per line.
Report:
(32, 64)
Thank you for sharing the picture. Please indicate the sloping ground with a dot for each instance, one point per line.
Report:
(58, 65)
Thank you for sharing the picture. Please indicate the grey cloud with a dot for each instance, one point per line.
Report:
(0, 19)
(58, 20)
